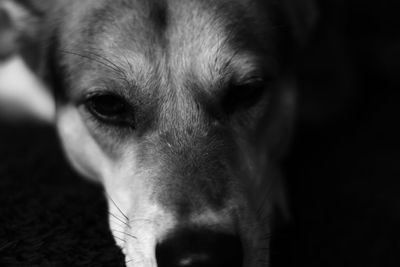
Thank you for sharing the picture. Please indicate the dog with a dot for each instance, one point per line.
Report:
(181, 109)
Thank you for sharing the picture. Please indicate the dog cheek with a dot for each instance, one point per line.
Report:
(82, 151)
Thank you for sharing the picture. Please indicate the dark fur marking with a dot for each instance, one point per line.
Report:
(54, 71)
(159, 15)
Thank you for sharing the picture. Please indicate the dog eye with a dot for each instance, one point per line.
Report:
(111, 109)
(243, 96)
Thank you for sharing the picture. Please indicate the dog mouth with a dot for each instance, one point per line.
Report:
(185, 247)
(199, 247)
(190, 247)
(159, 239)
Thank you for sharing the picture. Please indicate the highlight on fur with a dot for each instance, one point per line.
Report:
(181, 109)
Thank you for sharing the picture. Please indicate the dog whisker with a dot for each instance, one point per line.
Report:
(119, 219)
(115, 204)
(141, 219)
(133, 260)
(116, 70)
(116, 237)
(118, 223)
(125, 233)
(265, 199)
(115, 66)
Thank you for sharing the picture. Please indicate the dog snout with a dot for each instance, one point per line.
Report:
(200, 248)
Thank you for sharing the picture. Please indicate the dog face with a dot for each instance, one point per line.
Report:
(181, 109)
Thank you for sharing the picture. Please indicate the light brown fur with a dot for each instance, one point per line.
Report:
(189, 160)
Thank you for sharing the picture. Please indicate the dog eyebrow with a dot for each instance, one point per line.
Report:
(119, 72)
(238, 67)
(97, 58)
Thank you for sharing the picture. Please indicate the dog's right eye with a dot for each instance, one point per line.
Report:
(110, 109)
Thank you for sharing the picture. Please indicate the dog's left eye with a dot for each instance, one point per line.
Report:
(111, 109)
(243, 96)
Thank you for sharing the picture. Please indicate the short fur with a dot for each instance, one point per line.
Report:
(204, 149)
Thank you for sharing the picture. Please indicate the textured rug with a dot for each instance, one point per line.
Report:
(48, 215)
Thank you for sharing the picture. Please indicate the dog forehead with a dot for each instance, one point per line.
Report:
(179, 38)
(162, 47)
(207, 42)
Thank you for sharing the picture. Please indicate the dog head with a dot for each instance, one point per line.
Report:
(182, 110)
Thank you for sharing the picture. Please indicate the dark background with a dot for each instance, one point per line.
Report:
(342, 172)
(344, 169)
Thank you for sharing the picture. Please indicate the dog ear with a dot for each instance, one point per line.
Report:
(20, 27)
(22, 94)
(302, 17)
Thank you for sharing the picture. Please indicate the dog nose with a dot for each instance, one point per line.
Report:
(197, 248)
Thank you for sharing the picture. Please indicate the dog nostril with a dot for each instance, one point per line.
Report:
(200, 249)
